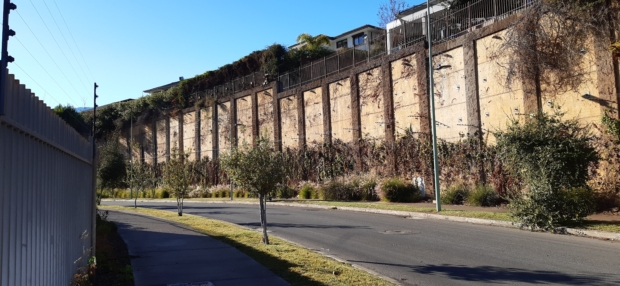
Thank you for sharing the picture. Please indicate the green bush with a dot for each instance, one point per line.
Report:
(454, 195)
(239, 193)
(306, 191)
(284, 192)
(484, 196)
(551, 157)
(398, 190)
(336, 190)
(363, 188)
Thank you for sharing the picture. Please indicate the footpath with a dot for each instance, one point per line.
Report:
(164, 253)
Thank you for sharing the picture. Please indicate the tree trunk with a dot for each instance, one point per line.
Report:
(263, 217)
(135, 201)
(180, 206)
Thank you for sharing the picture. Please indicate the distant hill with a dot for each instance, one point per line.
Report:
(80, 109)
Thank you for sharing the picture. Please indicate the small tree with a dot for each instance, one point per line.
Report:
(177, 176)
(388, 11)
(111, 170)
(139, 177)
(552, 158)
(258, 170)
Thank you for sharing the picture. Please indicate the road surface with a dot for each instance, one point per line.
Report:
(426, 251)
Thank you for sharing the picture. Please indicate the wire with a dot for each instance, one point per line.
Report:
(66, 42)
(52, 58)
(55, 41)
(78, 48)
(24, 71)
(20, 42)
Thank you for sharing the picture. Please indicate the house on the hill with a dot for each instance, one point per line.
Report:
(357, 38)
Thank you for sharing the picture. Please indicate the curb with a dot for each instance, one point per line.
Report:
(479, 221)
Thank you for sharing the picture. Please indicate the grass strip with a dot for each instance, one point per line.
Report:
(295, 264)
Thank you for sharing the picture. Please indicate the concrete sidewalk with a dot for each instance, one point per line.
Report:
(164, 253)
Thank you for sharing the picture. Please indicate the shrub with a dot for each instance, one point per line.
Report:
(363, 188)
(552, 158)
(455, 195)
(306, 191)
(484, 196)
(284, 192)
(336, 190)
(398, 190)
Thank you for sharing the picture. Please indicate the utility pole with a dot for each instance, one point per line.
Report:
(432, 106)
(6, 33)
(94, 166)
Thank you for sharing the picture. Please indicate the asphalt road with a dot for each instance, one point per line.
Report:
(430, 252)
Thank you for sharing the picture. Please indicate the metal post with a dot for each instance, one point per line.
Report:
(131, 156)
(231, 145)
(6, 32)
(432, 107)
(94, 171)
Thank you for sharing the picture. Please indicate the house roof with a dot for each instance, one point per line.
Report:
(419, 7)
(163, 87)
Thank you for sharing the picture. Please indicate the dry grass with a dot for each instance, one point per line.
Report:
(295, 264)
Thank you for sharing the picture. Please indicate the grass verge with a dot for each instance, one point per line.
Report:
(295, 264)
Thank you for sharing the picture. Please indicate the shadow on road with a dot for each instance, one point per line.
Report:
(300, 225)
(492, 274)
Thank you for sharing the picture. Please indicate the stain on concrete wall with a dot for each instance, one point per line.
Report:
(189, 134)
(372, 114)
(223, 125)
(313, 109)
(206, 132)
(498, 101)
(265, 114)
(244, 119)
(450, 98)
(288, 122)
(340, 103)
(404, 88)
(160, 125)
(174, 133)
(147, 142)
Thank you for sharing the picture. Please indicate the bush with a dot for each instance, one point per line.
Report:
(551, 157)
(336, 190)
(398, 190)
(284, 192)
(306, 191)
(239, 193)
(484, 196)
(363, 188)
(455, 195)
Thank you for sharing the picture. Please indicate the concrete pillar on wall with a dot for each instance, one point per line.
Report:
(233, 122)
(388, 112)
(167, 139)
(301, 120)
(154, 148)
(471, 89)
(197, 128)
(180, 136)
(606, 76)
(215, 133)
(474, 122)
(255, 129)
(327, 118)
(422, 80)
(356, 130)
(277, 118)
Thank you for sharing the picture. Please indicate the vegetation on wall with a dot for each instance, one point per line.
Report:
(73, 118)
(548, 42)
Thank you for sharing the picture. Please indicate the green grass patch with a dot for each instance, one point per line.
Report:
(295, 264)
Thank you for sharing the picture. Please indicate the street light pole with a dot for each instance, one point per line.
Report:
(231, 146)
(432, 106)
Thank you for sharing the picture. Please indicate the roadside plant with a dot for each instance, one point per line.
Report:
(111, 169)
(258, 170)
(177, 176)
(398, 190)
(483, 196)
(455, 195)
(140, 178)
(551, 157)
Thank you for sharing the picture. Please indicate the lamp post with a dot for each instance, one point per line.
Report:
(432, 107)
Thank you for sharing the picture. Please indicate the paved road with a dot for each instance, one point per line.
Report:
(431, 252)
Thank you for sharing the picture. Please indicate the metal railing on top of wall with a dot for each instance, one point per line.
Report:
(46, 193)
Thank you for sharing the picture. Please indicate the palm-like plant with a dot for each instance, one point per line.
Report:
(313, 43)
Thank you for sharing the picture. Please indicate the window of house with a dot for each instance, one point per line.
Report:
(341, 44)
(358, 40)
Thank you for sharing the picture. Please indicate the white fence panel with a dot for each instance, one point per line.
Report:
(46, 193)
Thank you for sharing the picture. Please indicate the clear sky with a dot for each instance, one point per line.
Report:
(63, 46)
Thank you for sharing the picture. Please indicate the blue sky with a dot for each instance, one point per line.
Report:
(63, 46)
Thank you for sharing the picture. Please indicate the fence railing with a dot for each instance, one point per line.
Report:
(46, 193)
(445, 25)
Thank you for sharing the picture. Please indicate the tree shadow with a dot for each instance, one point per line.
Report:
(299, 225)
(501, 275)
